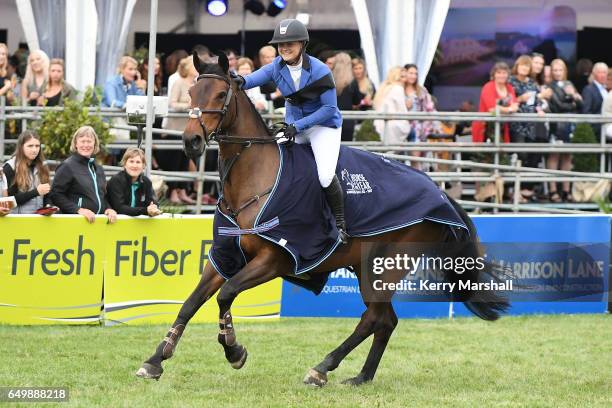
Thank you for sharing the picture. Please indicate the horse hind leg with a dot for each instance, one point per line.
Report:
(384, 328)
(208, 285)
(317, 375)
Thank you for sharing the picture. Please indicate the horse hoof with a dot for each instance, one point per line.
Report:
(238, 364)
(149, 372)
(355, 381)
(313, 377)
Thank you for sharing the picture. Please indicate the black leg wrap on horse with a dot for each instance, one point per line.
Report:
(335, 200)
(171, 340)
(235, 353)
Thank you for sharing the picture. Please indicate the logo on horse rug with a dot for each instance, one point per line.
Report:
(356, 183)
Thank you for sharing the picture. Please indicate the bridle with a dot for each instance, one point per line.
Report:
(220, 137)
(196, 113)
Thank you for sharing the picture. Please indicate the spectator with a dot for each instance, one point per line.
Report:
(37, 73)
(157, 86)
(390, 99)
(418, 99)
(175, 160)
(537, 68)
(56, 90)
(365, 84)
(606, 110)
(27, 176)
(584, 66)
(130, 192)
(495, 93)
(606, 107)
(4, 206)
(547, 75)
(245, 67)
(3, 184)
(13, 73)
(79, 185)
(465, 128)
(202, 51)
(565, 99)
(171, 66)
(126, 82)
(157, 76)
(269, 90)
(526, 91)
(594, 94)
(5, 79)
(232, 57)
(347, 92)
(329, 58)
(22, 54)
(541, 76)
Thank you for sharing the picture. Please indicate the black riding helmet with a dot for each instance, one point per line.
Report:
(289, 30)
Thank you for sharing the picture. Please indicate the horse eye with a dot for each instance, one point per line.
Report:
(222, 95)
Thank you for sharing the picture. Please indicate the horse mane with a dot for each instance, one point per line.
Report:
(256, 112)
(218, 70)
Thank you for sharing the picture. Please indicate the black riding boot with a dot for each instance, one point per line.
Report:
(335, 199)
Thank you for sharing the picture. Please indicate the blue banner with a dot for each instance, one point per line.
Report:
(546, 241)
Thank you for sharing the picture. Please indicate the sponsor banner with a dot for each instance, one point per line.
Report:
(520, 272)
(153, 265)
(543, 229)
(53, 270)
(541, 239)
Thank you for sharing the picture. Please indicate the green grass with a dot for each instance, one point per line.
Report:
(536, 361)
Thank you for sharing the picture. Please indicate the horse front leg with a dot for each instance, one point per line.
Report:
(209, 283)
(259, 270)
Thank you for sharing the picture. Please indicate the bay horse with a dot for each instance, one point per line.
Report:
(248, 164)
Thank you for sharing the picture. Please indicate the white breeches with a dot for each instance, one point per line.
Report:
(325, 144)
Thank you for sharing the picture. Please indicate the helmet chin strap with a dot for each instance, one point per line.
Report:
(296, 60)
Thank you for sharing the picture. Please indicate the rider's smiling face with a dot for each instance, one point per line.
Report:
(289, 51)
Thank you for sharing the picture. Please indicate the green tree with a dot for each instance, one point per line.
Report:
(588, 163)
(367, 132)
(56, 127)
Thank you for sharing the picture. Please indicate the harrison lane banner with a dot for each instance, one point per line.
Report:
(561, 261)
(62, 270)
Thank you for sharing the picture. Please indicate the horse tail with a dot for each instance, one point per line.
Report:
(488, 305)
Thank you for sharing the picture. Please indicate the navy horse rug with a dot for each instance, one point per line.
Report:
(381, 195)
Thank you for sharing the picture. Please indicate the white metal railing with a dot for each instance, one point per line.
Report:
(514, 173)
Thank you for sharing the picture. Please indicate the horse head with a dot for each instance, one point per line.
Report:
(210, 98)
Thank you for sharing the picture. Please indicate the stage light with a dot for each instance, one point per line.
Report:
(303, 18)
(276, 6)
(216, 7)
(254, 6)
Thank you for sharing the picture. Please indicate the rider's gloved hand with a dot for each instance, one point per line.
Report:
(239, 79)
(290, 132)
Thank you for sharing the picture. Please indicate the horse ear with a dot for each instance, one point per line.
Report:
(223, 62)
(197, 63)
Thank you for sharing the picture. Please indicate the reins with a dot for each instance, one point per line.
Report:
(225, 166)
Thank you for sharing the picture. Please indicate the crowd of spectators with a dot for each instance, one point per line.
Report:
(533, 87)
(79, 185)
(530, 86)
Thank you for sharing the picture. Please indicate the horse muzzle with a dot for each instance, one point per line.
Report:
(194, 145)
